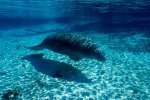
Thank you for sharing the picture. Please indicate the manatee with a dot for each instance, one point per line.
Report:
(73, 45)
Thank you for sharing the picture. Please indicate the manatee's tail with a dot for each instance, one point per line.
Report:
(37, 47)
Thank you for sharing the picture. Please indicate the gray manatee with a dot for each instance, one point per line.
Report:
(73, 45)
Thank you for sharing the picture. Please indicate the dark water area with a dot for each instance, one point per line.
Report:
(11, 23)
(112, 16)
(79, 15)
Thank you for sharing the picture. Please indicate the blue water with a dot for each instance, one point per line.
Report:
(119, 28)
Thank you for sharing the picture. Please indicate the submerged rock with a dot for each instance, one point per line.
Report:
(73, 45)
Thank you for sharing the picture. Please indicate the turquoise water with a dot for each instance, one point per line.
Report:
(119, 29)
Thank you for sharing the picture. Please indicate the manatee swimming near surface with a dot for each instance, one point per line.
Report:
(73, 45)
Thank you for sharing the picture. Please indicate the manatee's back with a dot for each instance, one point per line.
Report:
(75, 42)
(81, 44)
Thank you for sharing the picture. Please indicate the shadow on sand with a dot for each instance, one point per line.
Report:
(56, 69)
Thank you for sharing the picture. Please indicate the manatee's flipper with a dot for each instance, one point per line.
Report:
(75, 58)
(37, 47)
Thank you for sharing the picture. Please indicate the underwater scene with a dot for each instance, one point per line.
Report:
(74, 50)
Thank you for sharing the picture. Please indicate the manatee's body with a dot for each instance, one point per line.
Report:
(73, 45)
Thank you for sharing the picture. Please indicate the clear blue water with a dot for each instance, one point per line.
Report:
(119, 29)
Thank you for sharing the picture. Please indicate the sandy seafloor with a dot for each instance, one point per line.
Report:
(125, 75)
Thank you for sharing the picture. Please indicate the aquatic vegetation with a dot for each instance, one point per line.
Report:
(56, 69)
(73, 45)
